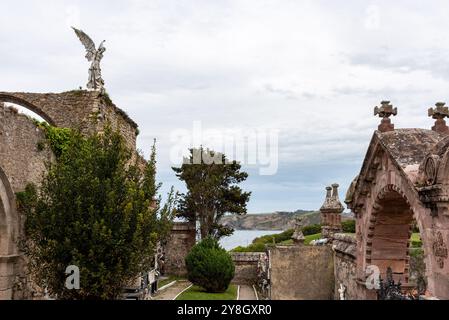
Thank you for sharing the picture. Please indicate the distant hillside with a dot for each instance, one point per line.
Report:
(272, 221)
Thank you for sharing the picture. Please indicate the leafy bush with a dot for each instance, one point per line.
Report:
(210, 266)
(417, 266)
(416, 241)
(312, 229)
(348, 226)
(93, 210)
(57, 138)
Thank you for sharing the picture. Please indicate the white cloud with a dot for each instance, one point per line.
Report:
(313, 69)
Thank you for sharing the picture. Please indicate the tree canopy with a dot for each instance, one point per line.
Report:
(212, 190)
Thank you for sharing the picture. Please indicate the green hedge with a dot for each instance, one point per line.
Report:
(209, 266)
(312, 229)
(348, 226)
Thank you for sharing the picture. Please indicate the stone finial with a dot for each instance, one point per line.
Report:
(332, 202)
(335, 190)
(439, 113)
(298, 236)
(331, 212)
(385, 111)
(328, 192)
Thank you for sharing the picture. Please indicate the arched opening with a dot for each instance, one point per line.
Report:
(22, 105)
(24, 110)
(7, 223)
(8, 230)
(390, 233)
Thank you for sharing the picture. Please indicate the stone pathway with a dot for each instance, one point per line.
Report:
(247, 292)
(171, 292)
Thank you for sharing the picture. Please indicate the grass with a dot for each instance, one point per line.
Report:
(198, 293)
(307, 239)
(163, 282)
(259, 244)
(312, 237)
(415, 239)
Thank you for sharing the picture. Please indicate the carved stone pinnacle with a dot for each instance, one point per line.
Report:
(439, 112)
(385, 111)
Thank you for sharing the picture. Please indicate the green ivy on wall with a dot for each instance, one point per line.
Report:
(57, 138)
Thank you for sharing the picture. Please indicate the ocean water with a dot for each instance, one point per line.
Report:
(244, 238)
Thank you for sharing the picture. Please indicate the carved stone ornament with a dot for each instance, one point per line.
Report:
(431, 169)
(439, 249)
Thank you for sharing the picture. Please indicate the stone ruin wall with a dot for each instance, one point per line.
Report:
(119, 120)
(21, 162)
(181, 240)
(345, 268)
(85, 110)
(301, 272)
(246, 267)
(20, 156)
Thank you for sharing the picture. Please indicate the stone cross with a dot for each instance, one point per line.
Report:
(439, 113)
(385, 111)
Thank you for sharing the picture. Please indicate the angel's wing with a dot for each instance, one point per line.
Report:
(87, 43)
(101, 45)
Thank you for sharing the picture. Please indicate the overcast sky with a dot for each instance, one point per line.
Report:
(313, 70)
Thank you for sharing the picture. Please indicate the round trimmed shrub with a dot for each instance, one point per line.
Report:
(210, 266)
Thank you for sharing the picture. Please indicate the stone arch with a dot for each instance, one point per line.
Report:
(9, 228)
(405, 175)
(388, 232)
(9, 222)
(384, 226)
(442, 162)
(385, 202)
(12, 98)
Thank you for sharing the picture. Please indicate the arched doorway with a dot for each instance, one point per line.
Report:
(9, 226)
(390, 230)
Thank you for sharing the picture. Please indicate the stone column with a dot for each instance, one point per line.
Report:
(385, 111)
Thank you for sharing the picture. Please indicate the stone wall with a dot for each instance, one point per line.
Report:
(246, 264)
(345, 265)
(301, 272)
(182, 239)
(21, 162)
(20, 156)
(79, 109)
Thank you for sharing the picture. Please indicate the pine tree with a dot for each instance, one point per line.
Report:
(212, 184)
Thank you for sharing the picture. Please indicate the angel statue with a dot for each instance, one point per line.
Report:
(93, 55)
